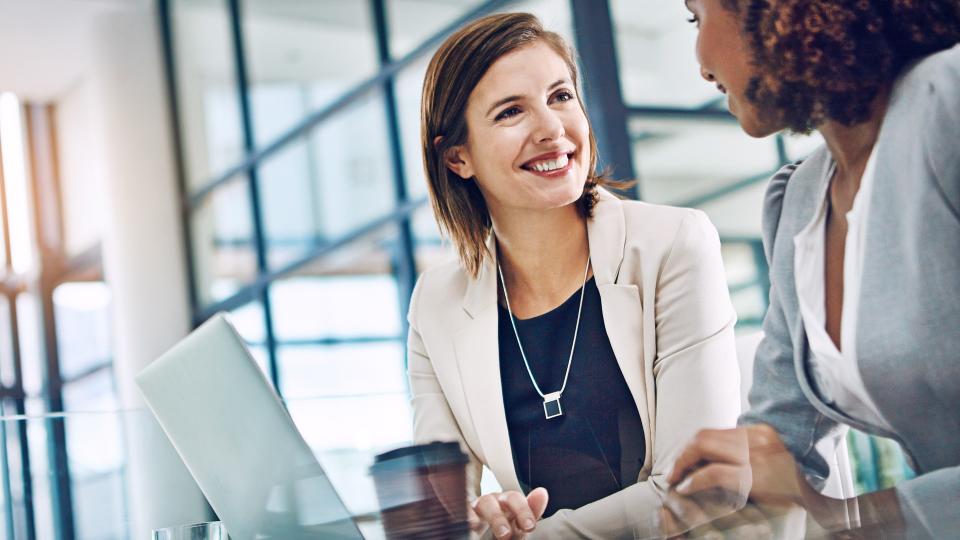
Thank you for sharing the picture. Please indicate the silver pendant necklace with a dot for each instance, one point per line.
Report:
(551, 401)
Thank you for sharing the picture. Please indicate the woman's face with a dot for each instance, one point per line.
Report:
(528, 140)
(725, 59)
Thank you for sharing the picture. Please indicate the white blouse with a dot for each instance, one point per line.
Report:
(837, 373)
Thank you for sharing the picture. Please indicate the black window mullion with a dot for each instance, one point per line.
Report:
(48, 232)
(25, 479)
(166, 30)
(21, 410)
(405, 267)
(594, 33)
(5, 463)
(246, 118)
(244, 294)
(782, 156)
(56, 437)
(197, 196)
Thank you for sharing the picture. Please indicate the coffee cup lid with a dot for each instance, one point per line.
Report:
(419, 456)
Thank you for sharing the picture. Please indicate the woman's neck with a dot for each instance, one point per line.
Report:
(542, 254)
(851, 146)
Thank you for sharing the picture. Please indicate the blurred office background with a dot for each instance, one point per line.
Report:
(165, 160)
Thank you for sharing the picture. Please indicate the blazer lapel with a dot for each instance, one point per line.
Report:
(620, 303)
(478, 358)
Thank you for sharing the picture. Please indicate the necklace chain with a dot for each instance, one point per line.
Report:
(576, 328)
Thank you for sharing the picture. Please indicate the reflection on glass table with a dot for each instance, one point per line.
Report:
(101, 464)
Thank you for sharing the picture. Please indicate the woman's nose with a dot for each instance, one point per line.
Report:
(706, 74)
(549, 127)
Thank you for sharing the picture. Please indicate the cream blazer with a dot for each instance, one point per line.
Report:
(670, 322)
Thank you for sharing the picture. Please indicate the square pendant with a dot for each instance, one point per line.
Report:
(551, 405)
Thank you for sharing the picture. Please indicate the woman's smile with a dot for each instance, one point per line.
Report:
(550, 165)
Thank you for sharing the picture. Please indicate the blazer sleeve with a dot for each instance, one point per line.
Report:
(924, 506)
(696, 380)
(432, 418)
(776, 397)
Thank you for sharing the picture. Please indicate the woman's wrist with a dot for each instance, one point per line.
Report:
(880, 515)
(874, 515)
(832, 514)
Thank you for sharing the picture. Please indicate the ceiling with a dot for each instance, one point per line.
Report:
(46, 44)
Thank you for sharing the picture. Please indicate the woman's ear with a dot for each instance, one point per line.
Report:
(457, 159)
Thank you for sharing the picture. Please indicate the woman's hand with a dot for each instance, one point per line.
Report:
(747, 460)
(717, 472)
(711, 478)
(510, 515)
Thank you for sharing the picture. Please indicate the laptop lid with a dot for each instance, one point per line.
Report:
(238, 441)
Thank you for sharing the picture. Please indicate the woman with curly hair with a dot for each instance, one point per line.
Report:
(863, 242)
(580, 340)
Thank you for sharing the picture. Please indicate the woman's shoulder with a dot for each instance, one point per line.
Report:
(927, 93)
(924, 114)
(662, 216)
(937, 72)
(438, 289)
(443, 279)
(660, 229)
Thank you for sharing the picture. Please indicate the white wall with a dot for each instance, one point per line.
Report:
(81, 167)
(142, 248)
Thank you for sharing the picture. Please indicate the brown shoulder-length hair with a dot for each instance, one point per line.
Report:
(453, 73)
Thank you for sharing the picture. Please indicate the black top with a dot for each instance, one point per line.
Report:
(596, 447)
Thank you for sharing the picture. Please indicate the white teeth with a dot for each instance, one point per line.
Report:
(551, 165)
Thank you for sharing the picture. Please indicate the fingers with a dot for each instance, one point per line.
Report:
(488, 510)
(537, 500)
(711, 445)
(507, 514)
(685, 514)
(733, 480)
(515, 504)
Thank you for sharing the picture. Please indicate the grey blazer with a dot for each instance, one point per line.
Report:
(908, 332)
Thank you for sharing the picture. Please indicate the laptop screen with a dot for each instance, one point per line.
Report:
(238, 441)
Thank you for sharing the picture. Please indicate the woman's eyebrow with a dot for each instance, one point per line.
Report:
(559, 82)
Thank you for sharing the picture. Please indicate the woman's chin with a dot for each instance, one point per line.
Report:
(564, 196)
(752, 123)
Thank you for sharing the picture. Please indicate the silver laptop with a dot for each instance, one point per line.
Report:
(238, 441)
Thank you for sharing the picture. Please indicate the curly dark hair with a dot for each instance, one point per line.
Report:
(823, 60)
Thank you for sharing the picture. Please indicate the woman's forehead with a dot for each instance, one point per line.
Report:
(532, 68)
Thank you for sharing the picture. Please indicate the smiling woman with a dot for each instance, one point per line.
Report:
(506, 111)
(580, 340)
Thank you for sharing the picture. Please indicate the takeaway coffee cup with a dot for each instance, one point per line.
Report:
(423, 491)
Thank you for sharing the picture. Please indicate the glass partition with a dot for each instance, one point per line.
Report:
(300, 56)
(207, 98)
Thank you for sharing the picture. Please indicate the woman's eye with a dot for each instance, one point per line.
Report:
(563, 95)
(507, 113)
